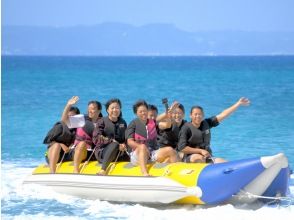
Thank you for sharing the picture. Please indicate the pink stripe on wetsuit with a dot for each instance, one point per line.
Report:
(151, 134)
(81, 135)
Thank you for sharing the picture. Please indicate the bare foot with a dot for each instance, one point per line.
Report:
(101, 173)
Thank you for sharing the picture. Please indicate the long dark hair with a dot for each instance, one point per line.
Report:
(74, 109)
(152, 108)
(98, 104)
(182, 108)
(196, 107)
(114, 100)
(138, 104)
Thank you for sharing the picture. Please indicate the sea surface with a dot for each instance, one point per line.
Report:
(35, 90)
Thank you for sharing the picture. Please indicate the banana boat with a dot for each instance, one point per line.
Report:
(181, 183)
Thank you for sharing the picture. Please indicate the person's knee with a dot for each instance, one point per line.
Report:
(81, 147)
(142, 148)
(80, 152)
(171, 152)
(197, 158)
(55, 146)
(219, 160)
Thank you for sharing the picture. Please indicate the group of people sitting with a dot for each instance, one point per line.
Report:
(163, 138)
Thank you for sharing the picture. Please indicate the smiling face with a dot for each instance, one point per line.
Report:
(113, 111)
(142, 112)
(178, 115)
(196, 116)
(93, 111)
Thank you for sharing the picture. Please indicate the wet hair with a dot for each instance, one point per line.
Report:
(114, 100)
(152, 108)
(182, 108)
(196, 107)
(110, 101)
(74, 109)
(138, 104)
(98, 104)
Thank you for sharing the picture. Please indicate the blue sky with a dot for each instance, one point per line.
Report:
(190, 15)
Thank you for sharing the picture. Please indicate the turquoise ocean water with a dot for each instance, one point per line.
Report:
(35, 90)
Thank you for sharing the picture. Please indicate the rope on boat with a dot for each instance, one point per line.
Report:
(289, 200)
(167, 171)
(58, 165)
(86, 162)
(61, 161)
(113, 164)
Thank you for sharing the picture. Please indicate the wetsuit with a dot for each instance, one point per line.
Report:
(85, 134)
(143, 133)
(60, 133)
(197, 137)
(169, 136)
(113, 135)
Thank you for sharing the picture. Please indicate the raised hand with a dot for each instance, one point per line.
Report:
(244, 101)
(73, 100)
(173, 107)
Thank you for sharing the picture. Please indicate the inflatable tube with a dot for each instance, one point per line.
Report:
(182, 183)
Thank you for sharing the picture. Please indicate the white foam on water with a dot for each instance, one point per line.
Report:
(38, 202)
(39, 216)
(228, 212)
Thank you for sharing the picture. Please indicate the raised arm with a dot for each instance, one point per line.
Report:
(165, 119)
(241, 102)
(72, 101)
(167, 114)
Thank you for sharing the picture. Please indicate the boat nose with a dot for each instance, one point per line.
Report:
(269, 161)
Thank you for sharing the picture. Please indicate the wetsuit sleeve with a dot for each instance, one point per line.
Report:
(184, 137)
(130, 131)
(122, 132)
(98, 131)
(212, 121)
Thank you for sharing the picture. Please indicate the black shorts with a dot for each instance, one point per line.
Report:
(64, 157)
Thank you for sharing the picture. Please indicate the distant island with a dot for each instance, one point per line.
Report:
(117, 39)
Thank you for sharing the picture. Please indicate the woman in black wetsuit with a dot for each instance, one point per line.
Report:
(60, 138)
(194, 140)
(109, 135)
(169, 129)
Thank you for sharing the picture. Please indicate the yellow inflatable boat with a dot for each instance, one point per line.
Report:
(182, 183)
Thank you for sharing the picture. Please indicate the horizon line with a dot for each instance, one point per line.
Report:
(139, 26)
(196, 55)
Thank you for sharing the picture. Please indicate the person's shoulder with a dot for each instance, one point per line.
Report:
(101, 120)
(183, 122)
(186, 125)
(105, 118)
(122, 121)
(87, 117)
(211, 119)
(133, 122)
